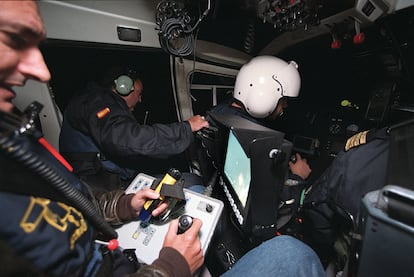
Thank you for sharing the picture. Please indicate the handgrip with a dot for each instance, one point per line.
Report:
(184, 223)
(170, 178)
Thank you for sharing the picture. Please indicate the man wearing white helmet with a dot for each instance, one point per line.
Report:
(260, 93)
(262, 88)
(262, 82)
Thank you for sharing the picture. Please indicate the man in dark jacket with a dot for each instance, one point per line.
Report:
(102, 139)
(332, 204)
(51, 222)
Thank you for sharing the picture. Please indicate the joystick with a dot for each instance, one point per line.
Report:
(184, 223)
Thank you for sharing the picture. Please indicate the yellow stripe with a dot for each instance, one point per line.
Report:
(167, 180)
(356, 140)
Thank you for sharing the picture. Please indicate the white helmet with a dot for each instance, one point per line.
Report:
(262, 81)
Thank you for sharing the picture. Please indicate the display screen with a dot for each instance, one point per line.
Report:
(237, 168)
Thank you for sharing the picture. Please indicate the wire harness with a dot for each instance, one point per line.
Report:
(175, 29)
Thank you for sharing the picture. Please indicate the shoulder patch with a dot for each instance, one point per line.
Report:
(356, 140)
(102, 113)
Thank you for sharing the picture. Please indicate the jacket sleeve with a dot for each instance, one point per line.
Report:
(135, 139)
(115, 206)
(170, 263)
(116, 131)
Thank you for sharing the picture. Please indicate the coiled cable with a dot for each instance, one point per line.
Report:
(24, 149)
(175, 37)
(175, 31)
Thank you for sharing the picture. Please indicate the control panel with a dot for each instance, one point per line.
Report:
(147, 239)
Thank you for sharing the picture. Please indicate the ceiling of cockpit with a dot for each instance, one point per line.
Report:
(249, 25)
(385, 52)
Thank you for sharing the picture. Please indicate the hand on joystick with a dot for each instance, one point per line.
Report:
(184, 223)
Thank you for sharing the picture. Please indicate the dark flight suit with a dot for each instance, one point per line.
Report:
(30, 221)
(99, 131)
(330, 209)
(355, 172)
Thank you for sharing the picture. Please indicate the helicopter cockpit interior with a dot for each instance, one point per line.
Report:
(355, 59)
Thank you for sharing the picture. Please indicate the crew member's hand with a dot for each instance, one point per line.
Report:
(141, 196)
(300, 167)
(198, 122)
(187, 244)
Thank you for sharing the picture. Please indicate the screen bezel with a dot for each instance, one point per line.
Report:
(259, 217)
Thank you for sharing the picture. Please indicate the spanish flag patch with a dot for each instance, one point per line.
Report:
(103, 112)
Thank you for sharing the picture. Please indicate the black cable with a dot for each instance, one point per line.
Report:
(248, 43)
(176, 33)
(173, 30)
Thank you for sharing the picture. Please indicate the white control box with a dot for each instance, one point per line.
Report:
(147, 239)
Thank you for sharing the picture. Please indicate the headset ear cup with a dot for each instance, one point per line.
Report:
(124, 85)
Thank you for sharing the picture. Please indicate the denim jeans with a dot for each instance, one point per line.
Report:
(277, 257)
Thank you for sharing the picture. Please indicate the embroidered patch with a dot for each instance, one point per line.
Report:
(103, 113)
(356, 140)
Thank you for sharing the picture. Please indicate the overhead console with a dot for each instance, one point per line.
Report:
(291, 15)
(302, 20)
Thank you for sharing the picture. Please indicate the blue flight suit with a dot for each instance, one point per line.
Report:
(31, 218)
